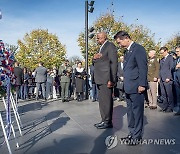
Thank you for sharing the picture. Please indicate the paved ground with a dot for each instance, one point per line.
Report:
(54, 127)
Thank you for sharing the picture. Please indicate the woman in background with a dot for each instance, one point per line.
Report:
(25, 84)
(80, 76)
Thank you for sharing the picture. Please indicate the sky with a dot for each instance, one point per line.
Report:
(66, 18)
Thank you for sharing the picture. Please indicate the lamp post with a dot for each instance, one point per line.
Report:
(0, 14)
(87, 9)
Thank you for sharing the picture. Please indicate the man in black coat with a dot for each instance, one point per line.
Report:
(177, 79)
(135, 83)
(105, 71)
(166, 80)
(18, 72)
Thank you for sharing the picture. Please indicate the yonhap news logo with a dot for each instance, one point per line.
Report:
(148, 141)
(112, 141)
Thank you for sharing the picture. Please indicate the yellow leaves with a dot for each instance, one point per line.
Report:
(173, 42)
(40, 45)
(107, 23)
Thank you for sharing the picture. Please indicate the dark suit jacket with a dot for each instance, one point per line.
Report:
(120, 74)
(40, 74)
(18, 72)
(166, 68)
(135, 68)
(105, 68)
(175, 62)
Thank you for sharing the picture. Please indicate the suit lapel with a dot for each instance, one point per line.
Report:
(128, 55)
(104, 46)
(163, 60)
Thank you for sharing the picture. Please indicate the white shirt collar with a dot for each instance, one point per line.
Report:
(166, 56)
(103, 45)
(122, 65)
(80, 69)
(130, 45)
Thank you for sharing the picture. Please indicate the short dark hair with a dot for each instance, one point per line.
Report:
(41, 63)
(177, 47)
(17, 63)
(164, 48)
(79, 62)
(122, 35)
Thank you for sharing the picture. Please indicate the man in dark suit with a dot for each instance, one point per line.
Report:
(135, 83)
(177, 79)
(105, 70)
(166, 80)
(120, 79)
(40, 79)
(18, 72)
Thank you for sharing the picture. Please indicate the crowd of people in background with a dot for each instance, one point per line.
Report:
(163, 80)
(68, 82)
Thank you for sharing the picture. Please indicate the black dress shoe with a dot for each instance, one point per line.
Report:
(99, 124)
(146, 106)
(66, 100)
(79, 100)
(162, 110)
(177, 113)
(105, 125)
(153, 107)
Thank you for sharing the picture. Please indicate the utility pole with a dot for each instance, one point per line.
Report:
(86, 39)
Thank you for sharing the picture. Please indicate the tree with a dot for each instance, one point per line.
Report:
(74, 59)
(173, 42)
(108, 24)
(40, 45)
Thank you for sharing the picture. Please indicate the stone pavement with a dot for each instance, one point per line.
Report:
(54, 127)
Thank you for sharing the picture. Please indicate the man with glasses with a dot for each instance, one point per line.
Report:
(177, 79)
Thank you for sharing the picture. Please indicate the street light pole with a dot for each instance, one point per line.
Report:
(0, 14)
(86, 39)
(86, 46)
(86, 34)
